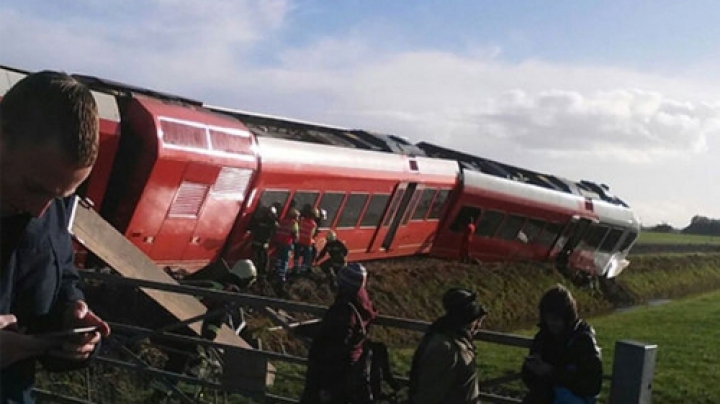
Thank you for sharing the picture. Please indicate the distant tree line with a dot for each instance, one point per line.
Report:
(698, 225)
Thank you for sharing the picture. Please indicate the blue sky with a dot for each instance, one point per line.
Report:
(621, 92)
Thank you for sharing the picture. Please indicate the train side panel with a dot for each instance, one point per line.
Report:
(361, 191)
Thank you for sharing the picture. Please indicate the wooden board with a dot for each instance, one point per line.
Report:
(103, 240)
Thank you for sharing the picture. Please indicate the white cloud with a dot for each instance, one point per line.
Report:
(627, 123)
(180, 44)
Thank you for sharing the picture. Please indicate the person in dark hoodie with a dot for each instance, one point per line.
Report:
(564, 365)
(334, 373)
(444, 370)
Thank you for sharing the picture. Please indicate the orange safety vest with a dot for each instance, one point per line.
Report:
(287, 232)
(307, 230)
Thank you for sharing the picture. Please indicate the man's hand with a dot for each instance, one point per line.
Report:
(538, 366)
(79, 347)
(15, 346)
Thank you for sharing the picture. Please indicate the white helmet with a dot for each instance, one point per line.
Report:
(244, 271)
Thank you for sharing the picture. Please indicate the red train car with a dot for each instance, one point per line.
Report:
(517, 220)
(381, 204)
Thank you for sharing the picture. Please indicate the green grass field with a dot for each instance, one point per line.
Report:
(647, 237)
(688, 356)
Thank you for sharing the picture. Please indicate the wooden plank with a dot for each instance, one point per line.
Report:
(103, 240)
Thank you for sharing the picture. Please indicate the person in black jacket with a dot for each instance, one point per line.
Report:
(334, 373)
(262, 228)
(564, 364)
(48, 145)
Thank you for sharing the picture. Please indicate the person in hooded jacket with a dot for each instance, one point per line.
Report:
(444, 369)
(564, 365)
(334, 373)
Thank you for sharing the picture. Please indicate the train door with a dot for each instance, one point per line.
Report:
(395, 215)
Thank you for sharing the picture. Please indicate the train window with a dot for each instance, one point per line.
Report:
(463, 217)
(182, 134)
(611, 240)
(393, 206)
(594, 236)
(229, 142)
(551, 233)
(271, 197)
(352, 210)
(424, 205)
(628, 240)
(532, 230)
(375, 209)
(331, 201)
(489, 223)
(411, 206)
(302, 199)
(439, 204)
(511, 227)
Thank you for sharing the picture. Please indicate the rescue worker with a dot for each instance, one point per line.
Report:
(285, 237)
(444, 369)
(305, 242)
(467, 239)
(334, 373)
(217, 277)
(262, 228)
(320, 217)
(564, 364)
(337, 254)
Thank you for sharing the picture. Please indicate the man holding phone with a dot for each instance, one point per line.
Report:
(48, 145)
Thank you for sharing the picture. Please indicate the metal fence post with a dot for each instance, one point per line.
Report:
(633, 370)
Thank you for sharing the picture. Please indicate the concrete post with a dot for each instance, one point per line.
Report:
(633, 370)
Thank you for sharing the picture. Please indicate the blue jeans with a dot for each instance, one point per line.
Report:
(282, 256)
(565, 396)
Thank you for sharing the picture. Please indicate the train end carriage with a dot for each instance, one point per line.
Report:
(512, 220)
(380, 204)
(179, 178)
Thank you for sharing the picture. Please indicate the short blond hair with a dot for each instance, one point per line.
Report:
(49, 107)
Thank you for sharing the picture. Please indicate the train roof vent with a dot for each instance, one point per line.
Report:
(232, 183)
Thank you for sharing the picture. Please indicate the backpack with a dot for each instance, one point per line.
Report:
(373, 368)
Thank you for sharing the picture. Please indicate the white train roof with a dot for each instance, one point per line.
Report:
(281, 151)
(607, 212)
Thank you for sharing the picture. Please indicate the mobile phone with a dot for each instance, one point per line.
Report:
(68, 332)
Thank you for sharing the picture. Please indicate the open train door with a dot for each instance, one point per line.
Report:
(399, 204)
(569, 240)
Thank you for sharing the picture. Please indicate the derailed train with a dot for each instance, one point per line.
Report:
(181, 180)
